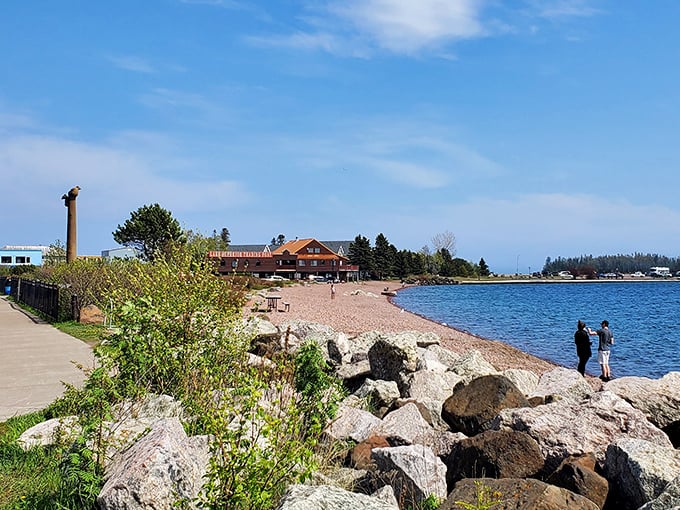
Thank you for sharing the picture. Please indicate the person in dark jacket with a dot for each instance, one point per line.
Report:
(583, 343)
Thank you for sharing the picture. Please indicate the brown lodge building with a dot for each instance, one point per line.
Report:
(295, 260)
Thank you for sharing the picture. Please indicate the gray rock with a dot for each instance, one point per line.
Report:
(392, 356)
(354, 370)
(326, 497)
(55, 431)
(378, 393)
(659, 399)
(569, 428)
(642, 470)
(472, 365)
(564, 382)
(429, 384)
(405, 426)
(157, 471)
(352, 423)
(445, 356)
(669, 499)
(428, 360)
(525, 380)
(415, 472)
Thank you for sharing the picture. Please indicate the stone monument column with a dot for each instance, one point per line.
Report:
(71, 239)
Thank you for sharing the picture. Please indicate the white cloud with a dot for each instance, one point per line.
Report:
(132, 63)
(407, 27)
(560, 9)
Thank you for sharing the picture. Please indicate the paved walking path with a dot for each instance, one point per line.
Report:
(34, 360)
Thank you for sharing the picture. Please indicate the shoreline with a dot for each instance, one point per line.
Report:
(360, 307)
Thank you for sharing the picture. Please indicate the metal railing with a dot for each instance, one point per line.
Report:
(52, 301)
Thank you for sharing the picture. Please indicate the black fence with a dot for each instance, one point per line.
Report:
(52, 301)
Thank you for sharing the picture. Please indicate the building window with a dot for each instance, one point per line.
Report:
(234, 263)
(310, 250)
(20, 260)
(317, 250)
(301, 262)
(315, 262)
(223, 262)
(257, 262)
(323, 262)
(5, 260)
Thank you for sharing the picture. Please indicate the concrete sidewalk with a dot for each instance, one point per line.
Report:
(34, 360)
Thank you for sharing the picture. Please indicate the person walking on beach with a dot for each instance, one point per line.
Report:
(606, 339)
(583, 343)
(332, 291)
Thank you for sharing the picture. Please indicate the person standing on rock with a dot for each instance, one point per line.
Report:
(606, 339)
(583, 343)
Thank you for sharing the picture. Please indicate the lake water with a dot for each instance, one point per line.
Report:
(540, 319)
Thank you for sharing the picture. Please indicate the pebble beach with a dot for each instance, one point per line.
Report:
(360, 307)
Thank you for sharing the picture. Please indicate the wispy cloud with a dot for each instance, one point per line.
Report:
(408, 27)
(561, 9)
(362, 28)
(132, 63)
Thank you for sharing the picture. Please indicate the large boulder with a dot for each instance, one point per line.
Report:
(470, 409)
(525, 380)
(157, 471)
(577, 474)
(471, 364)
(668, 499)
(430, 384)
(393, 356)
(562, 382)
(570, 428)
(414, 472)
(515, 494)
(50, 432)
(659, 399)
(641, 469)
(494, 454)
(378, 394)
(325, 497)
(351, 423)
(405, 426)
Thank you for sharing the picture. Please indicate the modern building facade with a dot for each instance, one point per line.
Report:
(120, 253)
(295, 260)
(22, 255)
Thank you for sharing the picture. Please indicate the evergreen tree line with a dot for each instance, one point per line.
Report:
(384, 260)
(585, 264)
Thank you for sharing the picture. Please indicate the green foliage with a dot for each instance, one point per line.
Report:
(483, 268)
(431, 502)
(484, 498)
(610, 263)
(320, 391)
(56, 254)
(150, 229)
(360, 254)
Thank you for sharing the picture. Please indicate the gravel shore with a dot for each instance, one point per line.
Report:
(360, 307)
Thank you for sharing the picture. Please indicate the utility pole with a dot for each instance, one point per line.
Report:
(71, 239)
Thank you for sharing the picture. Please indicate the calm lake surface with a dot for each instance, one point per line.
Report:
(540, 319)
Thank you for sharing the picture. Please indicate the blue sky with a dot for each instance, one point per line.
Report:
(529, 129)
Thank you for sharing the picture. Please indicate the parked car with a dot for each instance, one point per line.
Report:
(566, 275)
(275, 278)
(317, 279)
(638, 274)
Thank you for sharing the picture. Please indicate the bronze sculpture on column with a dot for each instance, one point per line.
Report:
(71, 242)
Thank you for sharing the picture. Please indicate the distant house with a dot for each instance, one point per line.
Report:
(120, 253)
(22, 255)
(295, 260)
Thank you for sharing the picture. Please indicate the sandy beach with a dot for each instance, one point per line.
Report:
(360, 307)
